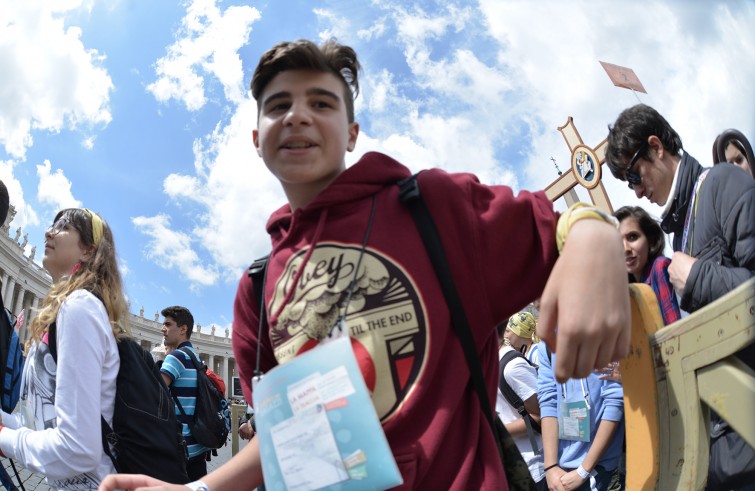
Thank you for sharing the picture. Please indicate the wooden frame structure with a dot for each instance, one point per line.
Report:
(673, 375)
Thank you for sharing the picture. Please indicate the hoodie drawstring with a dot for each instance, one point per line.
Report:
(297, 276)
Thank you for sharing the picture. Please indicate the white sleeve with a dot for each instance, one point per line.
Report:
(11, 420)
(521, 377)
(85, 345)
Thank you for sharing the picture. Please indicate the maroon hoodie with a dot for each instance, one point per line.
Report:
(501, 249)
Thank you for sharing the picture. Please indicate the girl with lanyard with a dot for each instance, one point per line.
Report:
(72, 358)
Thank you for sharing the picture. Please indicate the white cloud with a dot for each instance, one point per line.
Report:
(54, 188)
(173, 250)
(373, 32)
(338, 26)
(689, 79)
(483, 91)
(69, 89)
(88, 142)
(237, 191)
(179, 186)
(25, 214)
(457, 123)
(207, 44)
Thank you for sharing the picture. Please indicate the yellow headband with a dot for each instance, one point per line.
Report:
(96, 226)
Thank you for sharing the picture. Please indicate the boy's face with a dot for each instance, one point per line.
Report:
(303, 132)
(657, 174)
(172, 332)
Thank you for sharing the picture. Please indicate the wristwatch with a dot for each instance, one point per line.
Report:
(197, 486)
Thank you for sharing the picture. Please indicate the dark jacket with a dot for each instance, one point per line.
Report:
(723, 230)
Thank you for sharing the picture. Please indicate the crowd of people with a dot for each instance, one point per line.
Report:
(345, 249)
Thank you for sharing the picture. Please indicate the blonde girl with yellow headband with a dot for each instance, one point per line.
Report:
(55, 429)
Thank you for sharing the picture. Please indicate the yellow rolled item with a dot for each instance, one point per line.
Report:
(96, 226)
(523, 325)
(576, 212)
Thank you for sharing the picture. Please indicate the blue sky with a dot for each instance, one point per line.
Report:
(140, 110)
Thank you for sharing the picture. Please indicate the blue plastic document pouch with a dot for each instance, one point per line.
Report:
(574, 421)
(317, 426)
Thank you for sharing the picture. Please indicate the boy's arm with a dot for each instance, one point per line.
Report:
(553, 473)
(712, 274)
(244, 341)
(519, 427)
(547, 400)
(242, 472)
(584, 309)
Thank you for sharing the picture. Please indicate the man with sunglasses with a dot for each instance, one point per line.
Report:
(711, 213)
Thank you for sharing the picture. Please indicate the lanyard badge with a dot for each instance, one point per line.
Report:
(574, 417)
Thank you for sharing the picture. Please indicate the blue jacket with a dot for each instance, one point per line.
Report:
(606, 402)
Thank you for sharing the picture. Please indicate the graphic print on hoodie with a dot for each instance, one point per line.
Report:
(385, 319)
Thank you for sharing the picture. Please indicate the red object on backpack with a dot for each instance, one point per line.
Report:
(219, 384)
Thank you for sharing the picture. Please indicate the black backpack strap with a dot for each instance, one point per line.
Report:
(258, 274)
(52, 340)
(506, 389)
(197, 366)
(181, 408)
(409, 195)
(106, 433)
(516, 401)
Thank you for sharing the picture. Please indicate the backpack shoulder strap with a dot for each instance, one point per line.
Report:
(198, 364)
(410, 196)
(257, 274)
(197, 367)
(506, 389)
(517, 402)
(511, 396)
(52, 340)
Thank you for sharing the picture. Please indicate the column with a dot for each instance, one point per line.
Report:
(19, 300)
(211, 361)
(4, 283)
(23, 333)
(8, 290)
(225, 376)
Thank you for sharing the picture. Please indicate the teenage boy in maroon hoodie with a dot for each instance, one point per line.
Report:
(503, 254)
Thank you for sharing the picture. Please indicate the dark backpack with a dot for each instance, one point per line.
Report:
(509, 394)
(208, 425)
(146, 435)
(11, 367)
(11, 361)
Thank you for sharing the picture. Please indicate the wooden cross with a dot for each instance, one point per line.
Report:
(586, 164)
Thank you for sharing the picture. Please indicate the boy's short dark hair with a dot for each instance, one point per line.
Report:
(331, 57)
(632, 128)
(182, 316)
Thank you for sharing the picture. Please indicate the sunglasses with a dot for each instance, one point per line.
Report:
(634, 178)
